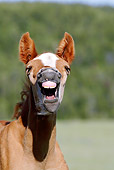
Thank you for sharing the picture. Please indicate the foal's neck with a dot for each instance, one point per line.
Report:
(44, 134)
(40, 134)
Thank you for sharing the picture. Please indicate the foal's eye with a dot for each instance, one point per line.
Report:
(28, 69)
(67, 69)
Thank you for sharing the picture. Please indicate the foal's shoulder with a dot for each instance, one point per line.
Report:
(12, 129)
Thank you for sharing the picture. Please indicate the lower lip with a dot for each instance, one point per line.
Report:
(50, 100)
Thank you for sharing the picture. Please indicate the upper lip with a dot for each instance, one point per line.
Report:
(49, 84)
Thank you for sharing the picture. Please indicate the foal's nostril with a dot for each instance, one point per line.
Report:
(39, 75)
(59, 75)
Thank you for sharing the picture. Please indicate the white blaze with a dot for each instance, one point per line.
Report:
(48, 59)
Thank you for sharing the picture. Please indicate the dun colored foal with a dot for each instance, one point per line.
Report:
(29, 142)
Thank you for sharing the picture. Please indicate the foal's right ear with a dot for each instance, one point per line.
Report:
(27, 49)
(66, 48)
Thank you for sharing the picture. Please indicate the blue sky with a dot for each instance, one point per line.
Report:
(90, 2)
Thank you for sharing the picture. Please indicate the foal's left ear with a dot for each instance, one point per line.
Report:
(66, 48)
(27, 49)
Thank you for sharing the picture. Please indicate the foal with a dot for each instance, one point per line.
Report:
(29, 142)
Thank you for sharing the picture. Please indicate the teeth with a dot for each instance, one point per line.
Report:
(56, 93)
(52, 87)
(46, 87)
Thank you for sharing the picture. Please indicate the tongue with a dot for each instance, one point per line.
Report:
(50, 97)
(49, 84)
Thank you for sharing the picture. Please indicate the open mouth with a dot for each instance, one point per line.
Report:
(50, 91)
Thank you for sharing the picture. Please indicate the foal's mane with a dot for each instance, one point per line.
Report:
(22, 107)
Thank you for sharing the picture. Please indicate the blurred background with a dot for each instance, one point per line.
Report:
(86, 115)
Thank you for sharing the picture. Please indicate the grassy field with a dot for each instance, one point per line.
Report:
(87, 145)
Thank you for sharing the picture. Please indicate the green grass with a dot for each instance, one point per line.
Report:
(87, 145)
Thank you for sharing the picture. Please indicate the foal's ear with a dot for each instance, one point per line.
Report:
(66, 48)
(27, 49)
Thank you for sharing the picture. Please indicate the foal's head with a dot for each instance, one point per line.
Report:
(47, 72)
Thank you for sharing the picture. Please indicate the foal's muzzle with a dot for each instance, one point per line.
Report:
(46, 90)
(49, 74)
